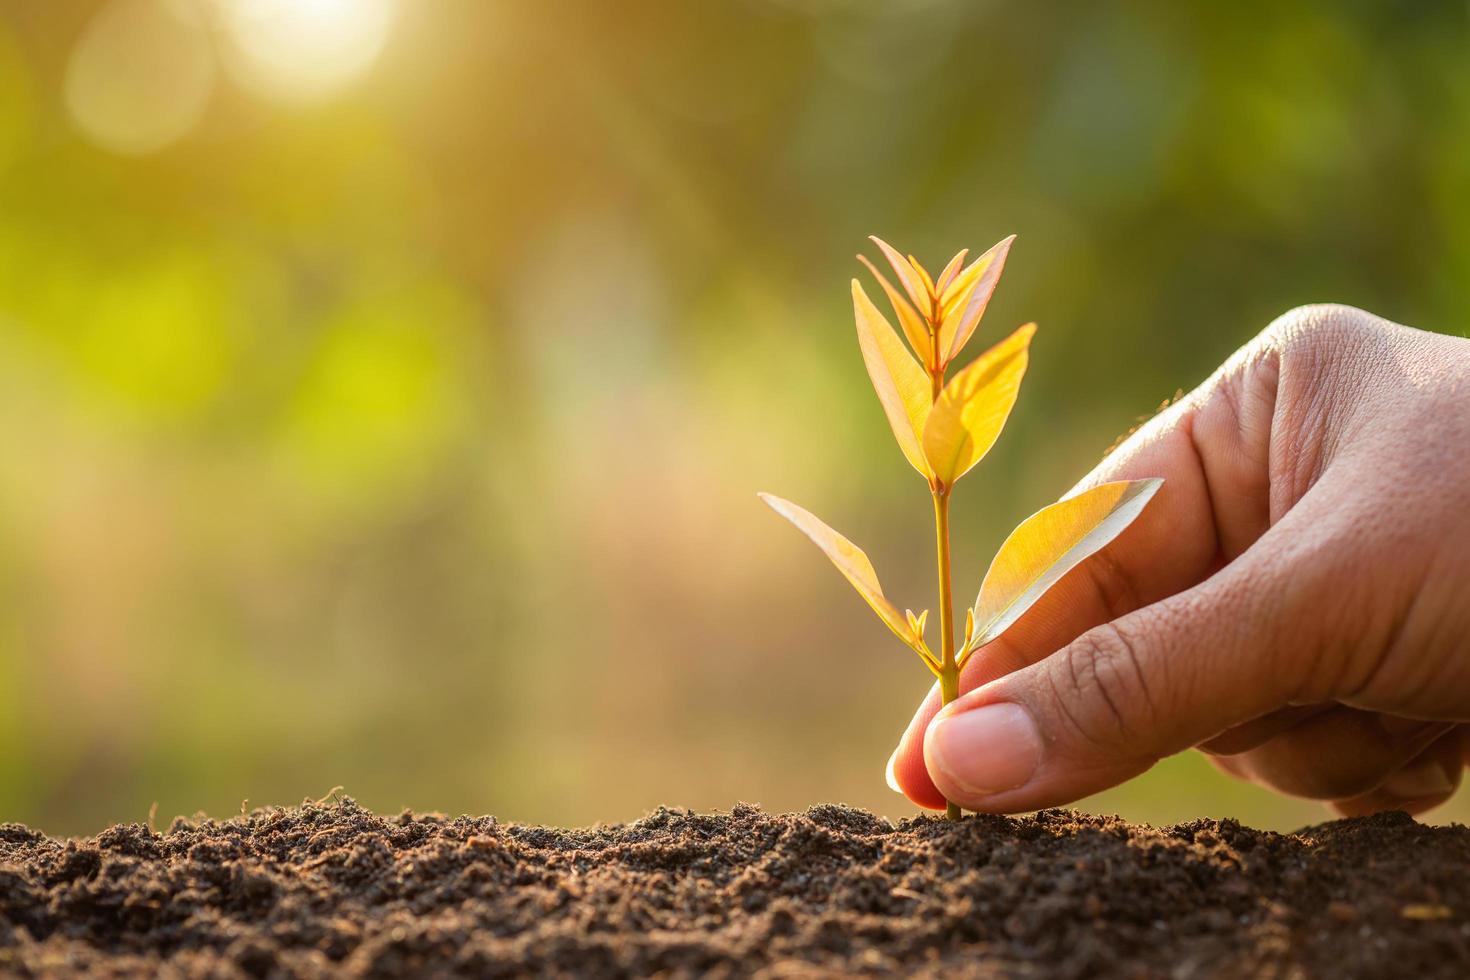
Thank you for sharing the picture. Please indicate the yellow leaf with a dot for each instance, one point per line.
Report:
(924, 277)
(1049, 544)
(950, 271)
(965, 299)
(914, 326)
(850, 561)
(903, 386)
(972, 409)
(916, 623)
(909, 279)
(957, 287)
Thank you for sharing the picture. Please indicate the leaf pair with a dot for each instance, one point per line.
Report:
(1035, 556)
(942, 438)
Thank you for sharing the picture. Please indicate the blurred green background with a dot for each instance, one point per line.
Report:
(384, 386)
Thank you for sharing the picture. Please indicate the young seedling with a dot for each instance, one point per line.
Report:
(944, 429)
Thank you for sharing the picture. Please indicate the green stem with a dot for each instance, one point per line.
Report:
(949, 671)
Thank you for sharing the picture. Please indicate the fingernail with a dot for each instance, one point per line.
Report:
(985, 750)
(1418, 781)
(888, 773)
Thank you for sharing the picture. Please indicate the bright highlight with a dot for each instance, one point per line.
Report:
(304, 50)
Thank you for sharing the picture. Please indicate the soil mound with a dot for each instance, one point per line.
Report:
(335, 890)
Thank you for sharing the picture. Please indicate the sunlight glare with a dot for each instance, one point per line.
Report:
(304, 50)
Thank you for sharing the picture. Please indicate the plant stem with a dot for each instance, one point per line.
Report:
(949, 673)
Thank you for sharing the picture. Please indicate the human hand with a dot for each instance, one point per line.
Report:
(1295, 601)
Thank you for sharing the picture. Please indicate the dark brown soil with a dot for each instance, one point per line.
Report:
(333, 890)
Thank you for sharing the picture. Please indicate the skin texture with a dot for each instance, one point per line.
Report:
(1295, 602)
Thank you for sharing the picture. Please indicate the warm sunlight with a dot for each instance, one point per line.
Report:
(387, 393)
(304, 50)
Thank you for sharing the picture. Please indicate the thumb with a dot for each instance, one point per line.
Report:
(1159, 680)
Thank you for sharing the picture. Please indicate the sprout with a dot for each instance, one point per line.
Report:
(944, 428)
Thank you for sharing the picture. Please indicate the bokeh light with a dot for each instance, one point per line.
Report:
(303, 50)
(140, 75)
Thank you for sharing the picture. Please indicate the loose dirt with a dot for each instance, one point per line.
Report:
(334, 890)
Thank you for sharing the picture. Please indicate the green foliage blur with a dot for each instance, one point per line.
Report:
(383, 398)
